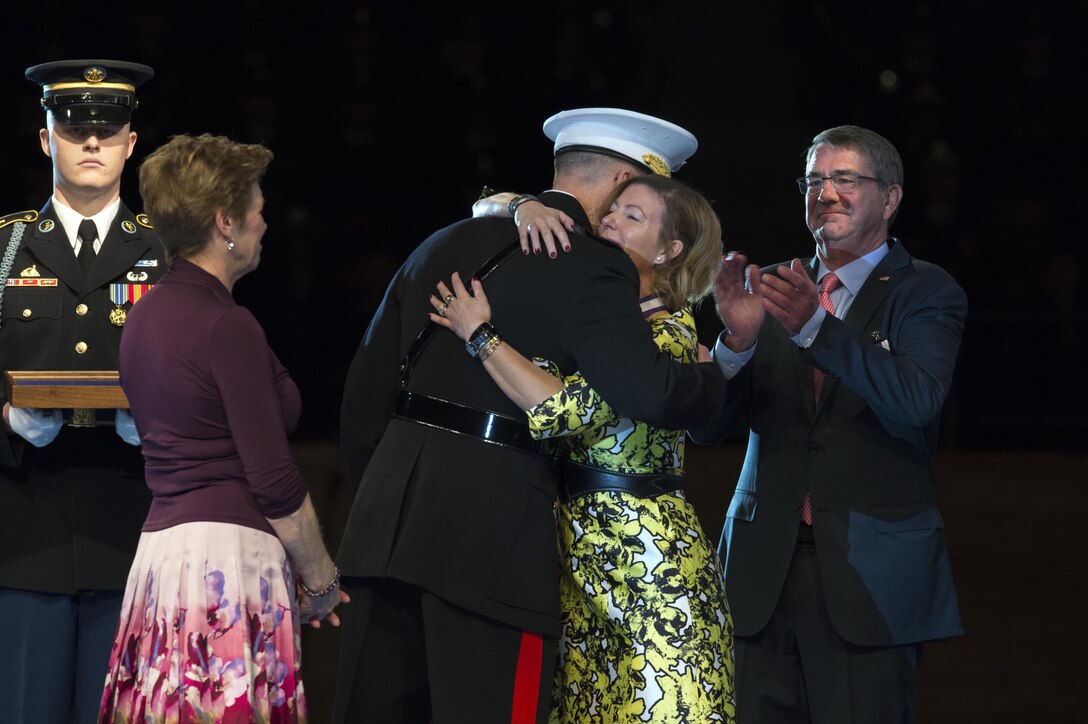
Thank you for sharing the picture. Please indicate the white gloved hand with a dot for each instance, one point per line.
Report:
(126, 427)
(37, 427)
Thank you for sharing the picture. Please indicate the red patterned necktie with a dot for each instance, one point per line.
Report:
(829, 284)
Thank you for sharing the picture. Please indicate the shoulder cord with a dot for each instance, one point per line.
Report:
(9, 258)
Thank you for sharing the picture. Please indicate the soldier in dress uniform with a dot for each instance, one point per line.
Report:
(72, 495)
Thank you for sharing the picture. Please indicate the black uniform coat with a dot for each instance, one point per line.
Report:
(70, 512)
(468, 520)
(864, 453)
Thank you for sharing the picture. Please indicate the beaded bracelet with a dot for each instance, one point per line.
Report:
(333, 584)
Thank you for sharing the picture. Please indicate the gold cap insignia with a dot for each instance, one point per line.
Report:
(94, 74)
(128, 226)
(30, 271)
(46, 226)
(656, 164)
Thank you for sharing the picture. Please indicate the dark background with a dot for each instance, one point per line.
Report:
(387, 118)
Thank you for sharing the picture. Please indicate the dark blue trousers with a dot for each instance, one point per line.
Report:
(54, 650)
(798, 670)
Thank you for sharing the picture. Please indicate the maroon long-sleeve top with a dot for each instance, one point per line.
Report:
(212, 403)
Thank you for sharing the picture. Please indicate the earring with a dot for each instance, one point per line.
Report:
(230, 244)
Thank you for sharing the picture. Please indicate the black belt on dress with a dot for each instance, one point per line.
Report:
(464, 420)
(579, 479)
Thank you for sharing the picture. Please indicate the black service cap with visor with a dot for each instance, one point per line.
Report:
(90, 92)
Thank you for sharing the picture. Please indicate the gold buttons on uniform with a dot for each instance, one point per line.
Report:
(81, 309)
(81, 347)
(27, 312)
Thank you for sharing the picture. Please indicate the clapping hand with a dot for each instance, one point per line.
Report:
(738, 294)
(791, 296)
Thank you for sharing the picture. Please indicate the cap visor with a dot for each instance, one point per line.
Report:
(92, 114)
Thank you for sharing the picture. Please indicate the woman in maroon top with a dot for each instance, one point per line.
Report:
(209, 626)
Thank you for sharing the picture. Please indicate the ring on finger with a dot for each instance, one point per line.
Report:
(448, 298)
(528, 227)
(442, 310)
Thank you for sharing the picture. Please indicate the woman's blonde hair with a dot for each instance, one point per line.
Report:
(689, 276)
(186, 180)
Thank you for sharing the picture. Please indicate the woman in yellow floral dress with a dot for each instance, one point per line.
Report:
(647, 634)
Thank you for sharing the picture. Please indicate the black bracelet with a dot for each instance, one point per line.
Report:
(517, 201)
(479, 339)
(333, 584)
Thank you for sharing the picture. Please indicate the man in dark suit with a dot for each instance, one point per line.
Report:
(72, 496)
(449, 552)
(836, 566)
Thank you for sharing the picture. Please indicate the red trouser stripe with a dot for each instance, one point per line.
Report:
(527, 679)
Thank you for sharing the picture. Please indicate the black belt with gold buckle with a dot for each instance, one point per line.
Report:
(464, 420)
(89, 417)
(577, 479)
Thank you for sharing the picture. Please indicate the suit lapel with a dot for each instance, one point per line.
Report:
(123, 245)
(875, 289)
(49, 244)
(870, 299)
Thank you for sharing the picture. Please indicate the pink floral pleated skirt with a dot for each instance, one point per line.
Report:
(209, 631)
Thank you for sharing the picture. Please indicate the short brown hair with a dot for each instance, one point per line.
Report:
(592, 168)
(689, 276)
(186, 180)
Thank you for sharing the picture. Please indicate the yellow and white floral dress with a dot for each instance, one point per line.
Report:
(647, 633)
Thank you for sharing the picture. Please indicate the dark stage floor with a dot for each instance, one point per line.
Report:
(1015, 524)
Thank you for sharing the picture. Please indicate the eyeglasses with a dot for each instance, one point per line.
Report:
(843, 182)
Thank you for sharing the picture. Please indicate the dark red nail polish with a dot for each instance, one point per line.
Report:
(536, 251)
(553, 255)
